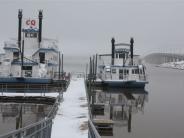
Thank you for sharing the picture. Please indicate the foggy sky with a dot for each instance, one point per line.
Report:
(85, 27)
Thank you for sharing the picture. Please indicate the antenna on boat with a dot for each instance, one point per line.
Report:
(19, 28)
(113, 48)
(40, 16)
(131, 49)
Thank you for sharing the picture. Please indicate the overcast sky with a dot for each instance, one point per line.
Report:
(85, 27)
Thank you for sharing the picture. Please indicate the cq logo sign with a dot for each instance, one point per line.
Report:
(30, 22)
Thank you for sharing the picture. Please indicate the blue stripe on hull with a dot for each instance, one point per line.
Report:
(132, 84)
(25, 80)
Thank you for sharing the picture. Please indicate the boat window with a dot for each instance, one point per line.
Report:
(15, 55)
(143, 70)
(121, 55)
(140, 71)
(108, 69)
(135, 71)
(31, 35)
(7, 60)
(126, 71)
(116, 55)
(120, 99)
(120, 71)
(27, 67)
(113, 70)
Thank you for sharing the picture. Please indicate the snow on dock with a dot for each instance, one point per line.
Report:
(52, 94)
(72, 116)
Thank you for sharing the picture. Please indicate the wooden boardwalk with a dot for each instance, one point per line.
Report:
(71, 119)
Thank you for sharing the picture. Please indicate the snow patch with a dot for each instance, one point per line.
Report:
(174, 65)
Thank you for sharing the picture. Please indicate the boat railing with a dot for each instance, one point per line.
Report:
(124, 76)
(41, 129)
(10, 44)
(142, 77)
(23, 88)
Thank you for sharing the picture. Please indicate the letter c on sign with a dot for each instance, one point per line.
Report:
(28, 22)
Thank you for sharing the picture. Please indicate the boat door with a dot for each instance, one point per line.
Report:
(42, 57)
(27, 71)
(120, 74)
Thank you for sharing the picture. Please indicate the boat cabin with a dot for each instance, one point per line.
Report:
(115, 72)
(30, 55)
(121, 56)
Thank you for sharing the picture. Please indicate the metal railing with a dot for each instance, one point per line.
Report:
(41, 129)
(38, 88)
(141, 77)
(92, 131)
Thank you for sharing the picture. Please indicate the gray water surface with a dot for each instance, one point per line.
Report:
(156, 112)
(22, 113)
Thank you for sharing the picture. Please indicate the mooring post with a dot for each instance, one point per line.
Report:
(89, 78)
(93, 67)
(96, 65)
(22, 57)
(90, 68)
(111, 111)
(62, 66)
(122, 108)
(86, 71)
(59, 67)
(129, 119)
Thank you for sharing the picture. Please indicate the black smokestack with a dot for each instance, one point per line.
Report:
(113, 48)
(40, 16)
(131, 50)
(19, 28)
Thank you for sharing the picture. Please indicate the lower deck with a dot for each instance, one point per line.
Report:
(12, 84)
(119, 83)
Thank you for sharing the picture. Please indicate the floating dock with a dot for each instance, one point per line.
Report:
(72, 116)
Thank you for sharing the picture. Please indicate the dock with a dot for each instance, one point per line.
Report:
(72, 116)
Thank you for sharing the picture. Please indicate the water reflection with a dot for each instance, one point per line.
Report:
(119, 106)
(14, 115)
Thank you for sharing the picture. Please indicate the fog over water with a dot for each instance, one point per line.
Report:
(84, 27)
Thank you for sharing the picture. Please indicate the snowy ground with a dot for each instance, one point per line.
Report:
(174, 65)
(71, 119)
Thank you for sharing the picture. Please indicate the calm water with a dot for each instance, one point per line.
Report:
(156, 112)
(10, 112)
